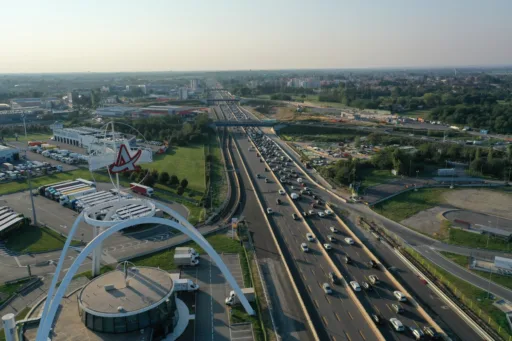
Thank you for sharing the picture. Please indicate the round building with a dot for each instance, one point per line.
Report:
(128, 300)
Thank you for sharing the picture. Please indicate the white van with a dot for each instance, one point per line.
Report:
(397, 324)
(399, 296)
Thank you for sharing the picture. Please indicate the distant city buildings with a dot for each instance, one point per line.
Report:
(183, 93)
(307, 83)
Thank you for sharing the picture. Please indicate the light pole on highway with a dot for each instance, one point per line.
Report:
(29, 176)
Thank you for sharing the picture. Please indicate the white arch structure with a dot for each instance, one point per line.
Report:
(54, 297)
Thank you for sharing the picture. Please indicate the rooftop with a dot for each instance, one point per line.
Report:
(147, 286)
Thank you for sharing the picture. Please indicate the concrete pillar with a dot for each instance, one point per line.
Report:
(9, 323)
(96, 255)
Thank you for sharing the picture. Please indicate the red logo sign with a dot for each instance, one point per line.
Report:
(124, 161)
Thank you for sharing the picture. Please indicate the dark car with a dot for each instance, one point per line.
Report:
(377, 319)
(431, 332)
(278, 201)
(294, 216)
(372, 263)
(334, 279)
(305, 214)
(366, 285)
(348, 260)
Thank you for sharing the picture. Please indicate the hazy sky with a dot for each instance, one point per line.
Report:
(151, 35)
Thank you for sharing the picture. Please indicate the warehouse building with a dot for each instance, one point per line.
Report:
(80, 136)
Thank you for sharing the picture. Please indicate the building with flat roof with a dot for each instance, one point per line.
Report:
(116, 111)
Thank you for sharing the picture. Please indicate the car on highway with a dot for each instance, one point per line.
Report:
(321, 214)
(347, 259)
(327, 246)
(373, 279)
(328, 212)
(397, 308)
(355, 286)
(304, 247)
(417, 333)
(295, 216)
(331, 238)
(376, 318)
(400, 296)
(333, 229)
(267, 180)
(305, 214)
(434, 335)
(278, 201)
(258, 176)
(372, 263)
(269, 210)
(333, 278)
(310, 237)
(311, 212)
(349, 241)
(397, 324)
(327, 288)
(366, 285)
(282, 192)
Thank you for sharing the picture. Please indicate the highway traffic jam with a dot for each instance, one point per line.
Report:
(307, 226)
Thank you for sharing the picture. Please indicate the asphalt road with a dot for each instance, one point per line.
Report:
(289, 318)
(453, 324)
(339, 317)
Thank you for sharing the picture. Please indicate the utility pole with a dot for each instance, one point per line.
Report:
(29, 179)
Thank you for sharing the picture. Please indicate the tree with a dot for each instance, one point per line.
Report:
(184, 183)
(154, 174)
(173, 181)
(163, 178)
(180, 190)
(357, 142)
(149, 180)
(489, 155)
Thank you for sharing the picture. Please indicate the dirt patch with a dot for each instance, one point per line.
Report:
(481, 200)
(428, 221)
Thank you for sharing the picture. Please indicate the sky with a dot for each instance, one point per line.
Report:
(188, 35)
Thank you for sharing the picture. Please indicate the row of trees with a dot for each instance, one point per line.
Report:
(152, 177)
(172, 129)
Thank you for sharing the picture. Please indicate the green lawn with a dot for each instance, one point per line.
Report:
(473, 240)
(165, 259)
(7, 290)
(219, 182)
(373, 177)
(30, 137)
(409, 203)
(35, 239)
(473, 297)
(417, 113)
(184, 162)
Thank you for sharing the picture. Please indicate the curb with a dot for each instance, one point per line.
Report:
(295, 289)
(351, 293)
(388, 274)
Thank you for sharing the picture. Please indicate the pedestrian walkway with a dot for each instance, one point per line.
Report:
(5, 252)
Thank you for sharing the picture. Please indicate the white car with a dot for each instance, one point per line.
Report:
(399, 296)
(269, 210)
(328, 212)
(304, 247)
(282, 192)
(355, 286)
(327, 288)
(349, 241)
(397, 324)
(333, 229)
(311, 212)
(321, 214)
(310, 237)
(327, 246)
(418, 334)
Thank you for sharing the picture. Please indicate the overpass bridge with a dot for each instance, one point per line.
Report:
(249, 123)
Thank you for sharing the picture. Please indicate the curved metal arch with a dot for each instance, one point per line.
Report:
(53, 302)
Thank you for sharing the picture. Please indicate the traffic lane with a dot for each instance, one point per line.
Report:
(288, 315)
(452, 324)
(372, 302)
(331, 313)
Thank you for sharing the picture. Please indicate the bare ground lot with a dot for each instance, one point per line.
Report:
(488, 202)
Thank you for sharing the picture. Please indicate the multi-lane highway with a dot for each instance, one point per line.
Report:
(380, 299)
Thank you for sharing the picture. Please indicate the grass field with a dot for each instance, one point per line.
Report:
(165, 259)
(218, 179)
(479, 241)
(184, 162)
(30, 137)
(7, 290)
(416, 113)
(35, 239)
(463, 261)
(408, 204)
(477, 299)
(372, 177)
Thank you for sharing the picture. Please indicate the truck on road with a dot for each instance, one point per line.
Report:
(183, 284)
(248, 293)
(141, 189)
(185, 260)
(186, 251)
